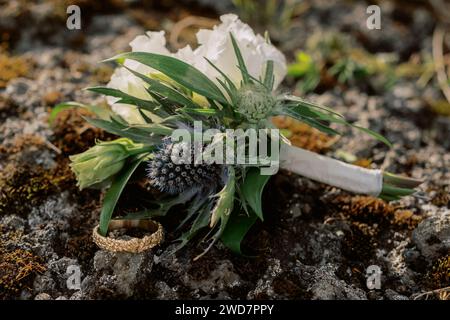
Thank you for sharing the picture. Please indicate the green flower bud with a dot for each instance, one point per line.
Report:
(99, 164)
(255, 102)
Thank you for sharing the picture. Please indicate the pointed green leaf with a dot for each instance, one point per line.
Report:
(200, 222)
(222, 209)
(166, 91)
(179, 71)
(309, 104)
(100, 112)
(311, 121)
(113, 194)
(395, 191)
(125, 98)
(237, 227)
(163, 206)
(252, 189)
(230, 83)
(135, 134)
(240, 60)
(201, 111)
(194, 207)
(304, 111)
(400, 181)
(268, 76)
(374, 134)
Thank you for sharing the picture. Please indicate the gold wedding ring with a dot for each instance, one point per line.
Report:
(133, 245)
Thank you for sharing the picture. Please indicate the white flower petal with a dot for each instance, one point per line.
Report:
(186, 54)
(152, 42)
(216, 45)
(125, 81)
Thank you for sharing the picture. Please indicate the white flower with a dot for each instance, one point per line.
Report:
(125, 81)
(214, 45)
(154, 42)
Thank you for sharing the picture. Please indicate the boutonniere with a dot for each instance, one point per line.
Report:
(200, 122)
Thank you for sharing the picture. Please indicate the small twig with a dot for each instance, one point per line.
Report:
(441, 9)
(52, 146)
(439, 65)
(428, 293)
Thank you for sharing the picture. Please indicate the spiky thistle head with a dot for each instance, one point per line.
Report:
(170, 175)
(255, 102)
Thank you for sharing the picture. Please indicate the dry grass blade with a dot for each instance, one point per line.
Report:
(443, 294)
(439, 65)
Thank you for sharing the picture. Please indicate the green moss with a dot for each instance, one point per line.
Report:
(370, 221)
(16, 269)
(439, 275)
(17, 266)
(22, 186)
(12, 67)
(374, 211)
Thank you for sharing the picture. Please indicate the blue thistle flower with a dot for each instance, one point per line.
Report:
(175, 177)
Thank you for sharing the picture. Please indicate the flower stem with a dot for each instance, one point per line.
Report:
(145, 149)
(348, 177)
(395, 187)
(331, 171)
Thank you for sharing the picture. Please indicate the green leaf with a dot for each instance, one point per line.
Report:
(374, 134)
(166, 91)
(194, 207)
(135, 134)
(237, 227)
(200, 222)
(113, 194)
(400, 181)
(129, 99)
(58, 108)
(201, 111)
(144, 116)
(321, 127)
(228, 90)
(222, 209)
(163, 206)
(231, 85)
(100, 112)
(305, 111)
(388, 198)
(228, 85)
(304, 115)
(309, 104)
(225, 201)
(268, 76)
(395, 191)
(252, 189)
(179, 71)
(155, 128)
(240, 59)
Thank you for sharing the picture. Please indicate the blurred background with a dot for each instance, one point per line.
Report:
(317, 241)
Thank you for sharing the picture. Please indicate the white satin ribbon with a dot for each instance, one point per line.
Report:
(331, 171)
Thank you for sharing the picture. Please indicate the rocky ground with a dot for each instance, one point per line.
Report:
(316, 241)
